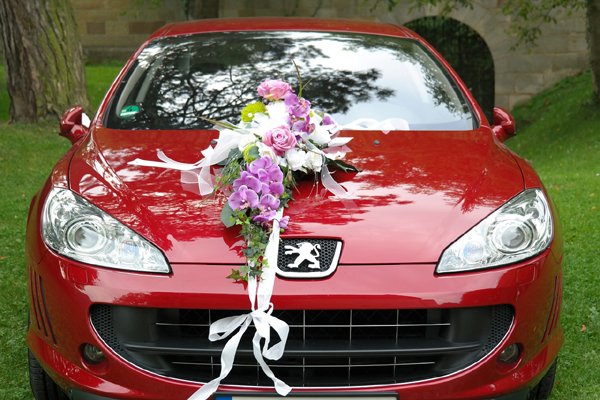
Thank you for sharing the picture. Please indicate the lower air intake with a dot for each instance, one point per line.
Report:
(326, 348)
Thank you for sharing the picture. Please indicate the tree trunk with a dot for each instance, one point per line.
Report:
(593, 18)
(43, 59)
(203, 9)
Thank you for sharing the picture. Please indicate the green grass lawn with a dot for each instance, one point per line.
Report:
(558, 132)
(560, 136)
(27, 154)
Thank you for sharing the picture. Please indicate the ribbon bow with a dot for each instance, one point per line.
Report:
(262, 308)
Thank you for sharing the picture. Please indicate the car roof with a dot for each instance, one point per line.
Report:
(282, 24)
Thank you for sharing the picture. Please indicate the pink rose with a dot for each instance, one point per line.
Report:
(280, 139)
(273, 89)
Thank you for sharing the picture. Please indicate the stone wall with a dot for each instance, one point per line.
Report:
(115, 28)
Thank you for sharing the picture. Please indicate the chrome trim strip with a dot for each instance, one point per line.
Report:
(311, 366)
(322, 326)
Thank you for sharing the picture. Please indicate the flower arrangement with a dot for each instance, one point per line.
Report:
(277, 141)
(280, 139)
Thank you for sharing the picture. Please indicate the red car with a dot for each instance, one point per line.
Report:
(441, 278)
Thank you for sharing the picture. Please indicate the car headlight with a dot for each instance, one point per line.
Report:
(520, 229)
(75, 228)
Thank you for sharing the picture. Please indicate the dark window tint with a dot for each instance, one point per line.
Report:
(176, 82)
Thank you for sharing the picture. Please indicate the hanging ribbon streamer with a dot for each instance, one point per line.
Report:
(262, 308)
(328, 182)
(260, 294)
(334, 187)
(228, 140)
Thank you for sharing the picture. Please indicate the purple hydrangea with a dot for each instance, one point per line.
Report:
(270, 175)
(327, 120)
(299, 108)
(243, 198)
(268, 208)
(303, 126)
(248, 180)
(276, 189)
(283, 222)
(261, 163)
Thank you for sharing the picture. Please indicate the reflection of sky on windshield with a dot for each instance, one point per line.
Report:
(413, 102)
(181, 81)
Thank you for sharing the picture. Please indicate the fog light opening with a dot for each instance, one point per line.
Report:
(510, 354)
(92, 355)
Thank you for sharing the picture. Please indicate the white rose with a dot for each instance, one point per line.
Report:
(278, 115)
(277, 109)
(296, 159)
(265, 150)
(315, 118)
(314, 161)
(320, 136)
(245, 141)
(278, 112)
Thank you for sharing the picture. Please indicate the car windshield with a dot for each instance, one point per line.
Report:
(180, 82)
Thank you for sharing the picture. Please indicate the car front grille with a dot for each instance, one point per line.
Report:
(326, 348)
(291, 264)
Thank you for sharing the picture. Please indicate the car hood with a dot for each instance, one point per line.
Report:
(417, 193)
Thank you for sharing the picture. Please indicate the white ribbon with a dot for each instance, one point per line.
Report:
(260, 295)
(387, 125)
(330, 184)
(339, 141)
(228, 140)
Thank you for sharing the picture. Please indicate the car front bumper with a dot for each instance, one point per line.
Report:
(63, 291)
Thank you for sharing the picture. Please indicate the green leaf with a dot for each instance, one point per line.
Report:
(286, 198)
(234, 154)
(253, 153)
(235, 275)
(226, 216)
(343, 166)
(244, 270)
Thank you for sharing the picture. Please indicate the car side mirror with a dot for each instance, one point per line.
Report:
(74, 124)
(504, 124)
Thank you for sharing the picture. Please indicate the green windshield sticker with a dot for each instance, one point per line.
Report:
(129, 111)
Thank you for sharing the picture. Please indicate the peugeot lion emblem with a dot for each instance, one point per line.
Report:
(304, 251)
(308, 258)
